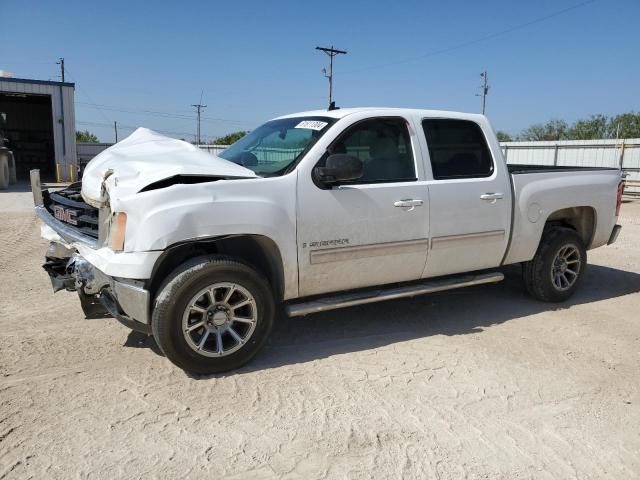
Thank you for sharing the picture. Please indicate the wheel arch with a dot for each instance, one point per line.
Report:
(258, 250)
(581, 219)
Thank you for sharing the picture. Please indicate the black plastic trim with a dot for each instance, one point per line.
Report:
(516, 169)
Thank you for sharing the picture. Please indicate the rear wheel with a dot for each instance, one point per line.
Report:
(213, 314)
(555, 272)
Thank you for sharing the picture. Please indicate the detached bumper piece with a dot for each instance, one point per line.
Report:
(92, 306)
(61, 278)
(614, 234)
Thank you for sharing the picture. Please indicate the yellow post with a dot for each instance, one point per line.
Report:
(58, 177)
(72, 174)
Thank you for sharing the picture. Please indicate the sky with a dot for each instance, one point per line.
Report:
(146, 63)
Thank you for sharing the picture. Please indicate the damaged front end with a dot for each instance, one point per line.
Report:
(71, 224)
(93, 250)
(100, 296)
(69, 271)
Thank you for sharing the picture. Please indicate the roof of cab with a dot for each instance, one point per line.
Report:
(343, 112)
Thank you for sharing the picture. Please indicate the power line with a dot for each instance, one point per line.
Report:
(161, 114)
(132, 127)
(332, 52)
(136, 111)
(79, 85)
(102, 108)
(473, 41)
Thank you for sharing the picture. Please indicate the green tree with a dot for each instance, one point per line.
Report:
(503, 136)
(229, 138)
(626, 125)
(554, 129)
(596, 126)
(86, 137)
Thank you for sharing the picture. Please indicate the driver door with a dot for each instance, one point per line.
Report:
(370, 231)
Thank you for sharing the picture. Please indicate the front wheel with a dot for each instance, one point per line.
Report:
(213, 314)
(554, 273)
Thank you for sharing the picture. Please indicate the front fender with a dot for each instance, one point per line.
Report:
(160, 218)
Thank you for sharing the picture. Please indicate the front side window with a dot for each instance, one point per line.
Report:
(383, 145)
(273, 148)
(457, 149)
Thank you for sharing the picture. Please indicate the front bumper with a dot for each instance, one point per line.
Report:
(102, 278)
(126, 300)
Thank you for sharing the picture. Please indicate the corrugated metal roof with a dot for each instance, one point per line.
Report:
(38, 82)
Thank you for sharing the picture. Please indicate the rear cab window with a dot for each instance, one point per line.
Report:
(457, 149)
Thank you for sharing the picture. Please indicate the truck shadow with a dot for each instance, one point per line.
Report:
(456, 312)
(21, 186)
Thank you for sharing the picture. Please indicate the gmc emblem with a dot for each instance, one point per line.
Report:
(65, 214)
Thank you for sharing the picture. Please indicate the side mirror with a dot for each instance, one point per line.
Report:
(339, 167)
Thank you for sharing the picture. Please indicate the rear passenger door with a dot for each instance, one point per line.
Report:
(469, 198)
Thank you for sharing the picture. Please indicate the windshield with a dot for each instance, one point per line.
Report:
(272, 148)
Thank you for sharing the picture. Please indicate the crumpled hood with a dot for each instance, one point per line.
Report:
(146, 157)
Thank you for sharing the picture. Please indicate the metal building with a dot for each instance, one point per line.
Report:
(37, 118)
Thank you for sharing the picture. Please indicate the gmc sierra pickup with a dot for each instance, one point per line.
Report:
(315, 211)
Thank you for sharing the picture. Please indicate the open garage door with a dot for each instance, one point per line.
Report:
(29, 130)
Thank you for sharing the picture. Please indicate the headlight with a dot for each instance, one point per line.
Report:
(116, 234)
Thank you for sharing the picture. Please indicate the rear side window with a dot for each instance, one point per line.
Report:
(457, 149)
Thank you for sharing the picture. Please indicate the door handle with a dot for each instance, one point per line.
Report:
(491, 197)
(408, 202)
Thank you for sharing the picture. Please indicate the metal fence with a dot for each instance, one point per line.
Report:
(213, 149)
(86, 151)
(623, 154)
(263, 154)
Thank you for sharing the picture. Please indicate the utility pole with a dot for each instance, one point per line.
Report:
(61, 63)
(199, 108)
(485, 89)
(332, 52)
(115, 129)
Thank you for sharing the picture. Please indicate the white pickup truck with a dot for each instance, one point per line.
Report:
(316, 211)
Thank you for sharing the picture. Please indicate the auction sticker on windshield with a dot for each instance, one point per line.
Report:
(312, 124)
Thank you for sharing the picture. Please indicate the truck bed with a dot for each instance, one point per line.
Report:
(539, 190)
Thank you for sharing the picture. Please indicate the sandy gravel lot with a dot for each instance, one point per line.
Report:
(480, 383)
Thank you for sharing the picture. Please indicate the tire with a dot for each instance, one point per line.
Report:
(4, 172)
(238, 321)
(543, 277)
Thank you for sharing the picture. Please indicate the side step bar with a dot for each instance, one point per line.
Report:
(379, 295)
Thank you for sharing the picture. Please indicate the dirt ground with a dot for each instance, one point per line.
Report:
(476, 383)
